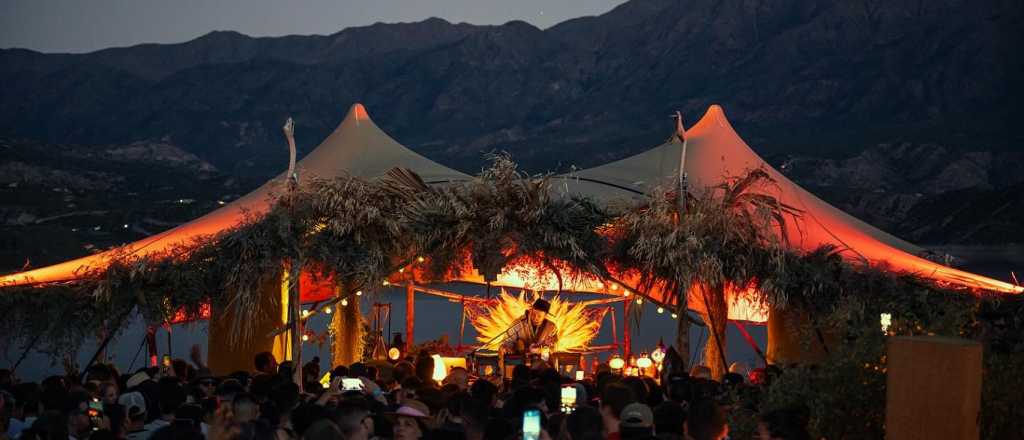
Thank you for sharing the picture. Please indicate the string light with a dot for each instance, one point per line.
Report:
(675, 316)
(305, 338)
(401, 270)
(420, 259)
(344, 302)
(615, 286)
(386, 283)
(639, 300)
(328, 310)
(359, 293)
(305, 313)
(661, 310)
(625, 293)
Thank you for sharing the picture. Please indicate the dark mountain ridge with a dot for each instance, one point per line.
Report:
(889, 109)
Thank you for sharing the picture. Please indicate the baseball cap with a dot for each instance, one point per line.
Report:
(636, 415)
(132, 400)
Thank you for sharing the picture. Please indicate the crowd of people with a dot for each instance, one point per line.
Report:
(379, 400)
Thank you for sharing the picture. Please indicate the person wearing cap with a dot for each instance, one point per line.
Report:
(533, 331)
(135, 408)
(410, 420)
(636, 422)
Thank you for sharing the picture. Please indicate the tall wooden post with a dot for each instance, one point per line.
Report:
(683, 334)
(347, 325)
(294, 321)
(627, 339)
(410, 315)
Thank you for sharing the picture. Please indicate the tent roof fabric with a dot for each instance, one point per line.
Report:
(357, 147)
(714, 153)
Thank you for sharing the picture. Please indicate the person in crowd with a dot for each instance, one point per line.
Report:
(353, 419)
(636, 422)
(614, 398)
(706, 421)
(411, 420)
(782, 425)
(245, 408)
(265, 363)
(669, 420)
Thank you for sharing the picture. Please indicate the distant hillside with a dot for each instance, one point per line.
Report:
(817, 77)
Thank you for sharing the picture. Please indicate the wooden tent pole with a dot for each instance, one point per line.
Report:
(627, 339)
(410, 315)
(294, 308)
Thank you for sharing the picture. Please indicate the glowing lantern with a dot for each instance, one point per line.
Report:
(394, 353)
(644, 361)
(439, 369)
(616, 362)
(658, 355)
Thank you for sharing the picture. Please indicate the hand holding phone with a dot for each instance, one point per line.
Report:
(531, 424)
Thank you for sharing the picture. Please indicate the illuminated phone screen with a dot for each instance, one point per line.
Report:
(531, 424)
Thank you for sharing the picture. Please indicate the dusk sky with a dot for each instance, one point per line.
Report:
(82, 26)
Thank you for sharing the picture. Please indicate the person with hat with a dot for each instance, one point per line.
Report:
(411, 421)
(636, 422)
(533, 331)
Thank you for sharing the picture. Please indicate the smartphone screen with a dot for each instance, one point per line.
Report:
(95, 408)
(167, 360)
(568, 399)
(531, 424)
(351, 384)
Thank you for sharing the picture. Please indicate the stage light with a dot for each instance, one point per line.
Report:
(644, 361)
(616, 362)
(394, 353)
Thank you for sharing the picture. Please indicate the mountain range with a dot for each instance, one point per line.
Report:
(903, 112)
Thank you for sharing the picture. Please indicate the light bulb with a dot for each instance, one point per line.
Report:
(675, 316)
(644, 361)
(661, 310)
(327, 310)
(359, 293)
(625, 293)
(420, 259)
(394, 353)
(386, 283)
(344, 302)
(305, 338)
(305, 313)
(639, 300)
